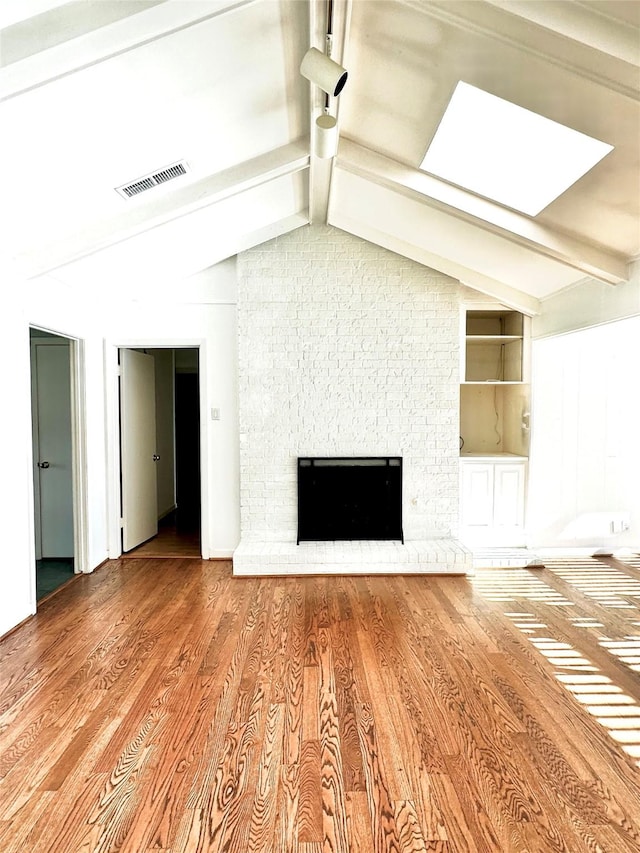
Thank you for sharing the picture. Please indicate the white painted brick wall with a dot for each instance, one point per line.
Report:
(345, 349)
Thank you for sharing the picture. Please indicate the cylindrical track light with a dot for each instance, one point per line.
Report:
(324, 72)
(326, 136)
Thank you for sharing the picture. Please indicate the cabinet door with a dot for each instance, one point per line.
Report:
(508, 494)
(477, 494)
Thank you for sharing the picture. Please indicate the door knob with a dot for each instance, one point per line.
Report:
(156, 456)
(43, 464)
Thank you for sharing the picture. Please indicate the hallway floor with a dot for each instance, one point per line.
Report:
(175, 538)
(51, 574)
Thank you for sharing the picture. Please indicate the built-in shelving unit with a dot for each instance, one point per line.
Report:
(493, 346)
(494, 423)
(494, 393)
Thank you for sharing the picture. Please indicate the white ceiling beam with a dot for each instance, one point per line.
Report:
(588, 259)
(182, 201)
(15, 11)
(491, 287)
(111, 40)
(579, 23)
(151, 264)
(403, 223)
(500, 22)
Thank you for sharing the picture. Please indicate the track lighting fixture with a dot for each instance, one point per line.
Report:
(330, 77)
(326, 136)
(319, 69)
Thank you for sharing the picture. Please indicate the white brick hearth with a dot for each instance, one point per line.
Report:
(346, 349)
(435, 556)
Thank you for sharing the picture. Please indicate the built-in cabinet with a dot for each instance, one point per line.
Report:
(492, 499)
(494, 424)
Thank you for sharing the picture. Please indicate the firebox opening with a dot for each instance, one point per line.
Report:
(349, 498)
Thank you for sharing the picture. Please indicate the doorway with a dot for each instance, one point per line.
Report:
(174, 502)
(52, 363)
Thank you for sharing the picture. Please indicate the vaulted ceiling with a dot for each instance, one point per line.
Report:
(99, 93)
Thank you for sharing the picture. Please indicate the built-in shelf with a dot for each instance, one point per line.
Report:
(494, 424)
(499, 338)
(494, 392)
(497, 323)
(493, 346)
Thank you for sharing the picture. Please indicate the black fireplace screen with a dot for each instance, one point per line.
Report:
(349, 498)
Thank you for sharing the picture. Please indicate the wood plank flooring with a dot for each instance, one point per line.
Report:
(165, 706)
(169, 542)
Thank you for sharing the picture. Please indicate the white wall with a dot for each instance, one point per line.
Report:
(198, 311)
(585, 453)
(51, 305)
(346, 349)
(17, 598)
(211, 326)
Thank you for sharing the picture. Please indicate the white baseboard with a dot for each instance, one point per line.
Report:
(593, 551)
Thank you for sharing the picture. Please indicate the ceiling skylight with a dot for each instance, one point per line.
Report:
(506, 153)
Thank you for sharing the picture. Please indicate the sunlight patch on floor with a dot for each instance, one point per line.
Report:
(513, 584)
(528, 623)
(586, 623)
(562, 654)
(605, 701)
(626, 650)
(613, 709)
(609, 586)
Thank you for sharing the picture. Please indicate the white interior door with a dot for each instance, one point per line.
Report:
(138, 448)
(52, 448)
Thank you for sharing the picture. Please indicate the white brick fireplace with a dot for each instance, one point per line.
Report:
(346, 349)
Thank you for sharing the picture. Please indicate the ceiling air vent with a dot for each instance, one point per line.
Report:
(148, 182)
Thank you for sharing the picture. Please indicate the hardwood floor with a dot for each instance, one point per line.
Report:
(166, 706)
(171, 541)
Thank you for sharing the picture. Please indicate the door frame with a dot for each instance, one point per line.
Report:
(112, 373)
(79, 484)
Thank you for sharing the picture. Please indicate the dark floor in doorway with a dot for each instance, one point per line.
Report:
(52, 573)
